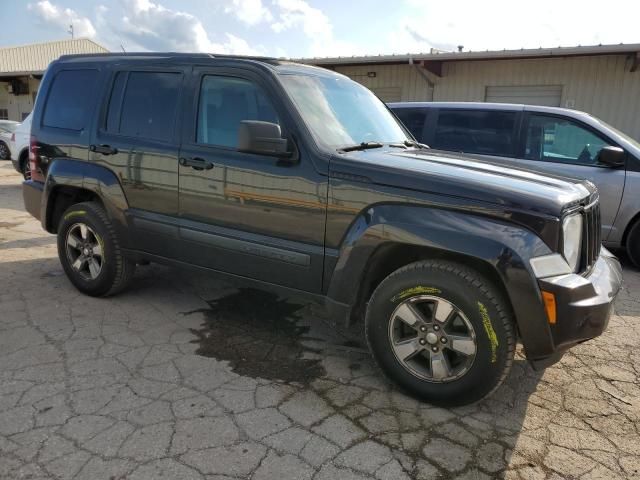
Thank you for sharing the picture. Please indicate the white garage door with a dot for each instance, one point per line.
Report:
(547, 95)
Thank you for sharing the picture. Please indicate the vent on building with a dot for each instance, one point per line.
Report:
(546, 95)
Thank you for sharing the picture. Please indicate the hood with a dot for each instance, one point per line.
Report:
(465, 176)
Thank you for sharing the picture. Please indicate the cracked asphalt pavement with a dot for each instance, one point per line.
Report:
(187, 377)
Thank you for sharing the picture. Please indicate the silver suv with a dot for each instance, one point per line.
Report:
(554, 140)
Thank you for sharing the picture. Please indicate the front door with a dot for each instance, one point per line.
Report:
(251, 215)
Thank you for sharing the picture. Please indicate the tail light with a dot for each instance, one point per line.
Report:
(34, 160)
(13, 137)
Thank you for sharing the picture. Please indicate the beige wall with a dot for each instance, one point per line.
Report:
(601, 85)
(413, 87)
(18, 105)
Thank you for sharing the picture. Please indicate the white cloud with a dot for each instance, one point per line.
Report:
(151, 26)
(298, 13)
(251, 12)
(57, 16)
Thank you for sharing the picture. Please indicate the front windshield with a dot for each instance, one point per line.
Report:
(340, 112)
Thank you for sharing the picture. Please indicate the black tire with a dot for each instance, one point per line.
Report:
(633, 243)
(115, 272)
(25, 168)
(5, 153)
(485, 310)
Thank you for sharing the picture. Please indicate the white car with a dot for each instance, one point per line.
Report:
(19, 146)
(7, 127)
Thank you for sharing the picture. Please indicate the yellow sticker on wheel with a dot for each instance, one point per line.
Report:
(417, 290)
(491, 333)
(74, 214)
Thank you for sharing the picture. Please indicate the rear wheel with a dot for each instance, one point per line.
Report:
(90, 253)
(633, 244)
(24, 165)
(5, 154)
(441, 331)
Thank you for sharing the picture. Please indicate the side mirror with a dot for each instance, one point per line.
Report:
(264, 138)
(611, 156)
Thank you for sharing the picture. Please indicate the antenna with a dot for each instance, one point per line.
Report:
(70, 31)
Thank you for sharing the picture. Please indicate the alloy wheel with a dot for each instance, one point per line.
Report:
(84, 251)
(432, 338)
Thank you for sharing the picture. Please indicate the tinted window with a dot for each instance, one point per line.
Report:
(413, 119)
(224, 103)
(475, 131)
(554, 139)
(70, 98)
(149, 105)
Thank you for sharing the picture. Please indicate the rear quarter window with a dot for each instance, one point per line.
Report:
(70, 98)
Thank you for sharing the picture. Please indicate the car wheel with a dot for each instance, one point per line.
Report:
(25, 168)
(90, 253)
(5, 154)
(441, 331)
(633, 243)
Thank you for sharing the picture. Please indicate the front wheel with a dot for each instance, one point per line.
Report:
(633, 244)
(441, 331)
(5, 154)
(90, 253)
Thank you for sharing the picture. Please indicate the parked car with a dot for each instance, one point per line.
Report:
(7, 128)
(297, 178)
(547, 139)
(20, 147)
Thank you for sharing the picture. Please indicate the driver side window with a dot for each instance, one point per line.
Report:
(224, 103)
(554, 139)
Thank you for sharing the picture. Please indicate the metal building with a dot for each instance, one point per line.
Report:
(21, 69)
(603, 80)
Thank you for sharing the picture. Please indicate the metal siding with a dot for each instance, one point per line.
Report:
(600, 85)
(547, 95)
(413, 86)
(35, 58)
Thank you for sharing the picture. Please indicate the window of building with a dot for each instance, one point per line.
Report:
(4, 114)
(413, 119)
(224, 103)
(555, 139)
(484, 132)
(69, 99)
(144, 104)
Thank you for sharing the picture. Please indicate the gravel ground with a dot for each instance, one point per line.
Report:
(187, 377)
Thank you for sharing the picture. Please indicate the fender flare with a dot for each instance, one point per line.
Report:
(87, 176)
(502, 246)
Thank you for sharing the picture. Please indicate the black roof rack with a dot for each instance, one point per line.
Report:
(170, 55)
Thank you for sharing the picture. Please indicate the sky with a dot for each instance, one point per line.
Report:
(314, 28)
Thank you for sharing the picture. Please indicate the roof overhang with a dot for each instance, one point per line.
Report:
(432, 59)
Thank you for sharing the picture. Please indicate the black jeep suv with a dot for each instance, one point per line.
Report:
(297, 177)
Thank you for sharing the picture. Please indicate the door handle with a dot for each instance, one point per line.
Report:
(103, 149)
(196, 163)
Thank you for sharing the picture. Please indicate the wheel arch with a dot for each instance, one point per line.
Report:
(71, 181)
(391, 236)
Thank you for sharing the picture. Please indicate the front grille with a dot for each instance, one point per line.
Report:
(591, 240)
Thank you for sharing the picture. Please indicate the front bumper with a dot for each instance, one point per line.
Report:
(32, 196)
(583, 305)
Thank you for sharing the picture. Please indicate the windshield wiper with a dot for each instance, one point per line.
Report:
(412, 143)
(361, 146)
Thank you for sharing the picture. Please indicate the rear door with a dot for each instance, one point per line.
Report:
(568, 147)
(137, 138)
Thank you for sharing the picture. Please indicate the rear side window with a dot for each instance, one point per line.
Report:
(475, 131)
(69, 99)
(144, 104)
(413, 119)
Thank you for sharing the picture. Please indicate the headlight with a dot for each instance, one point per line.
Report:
(572, 240)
